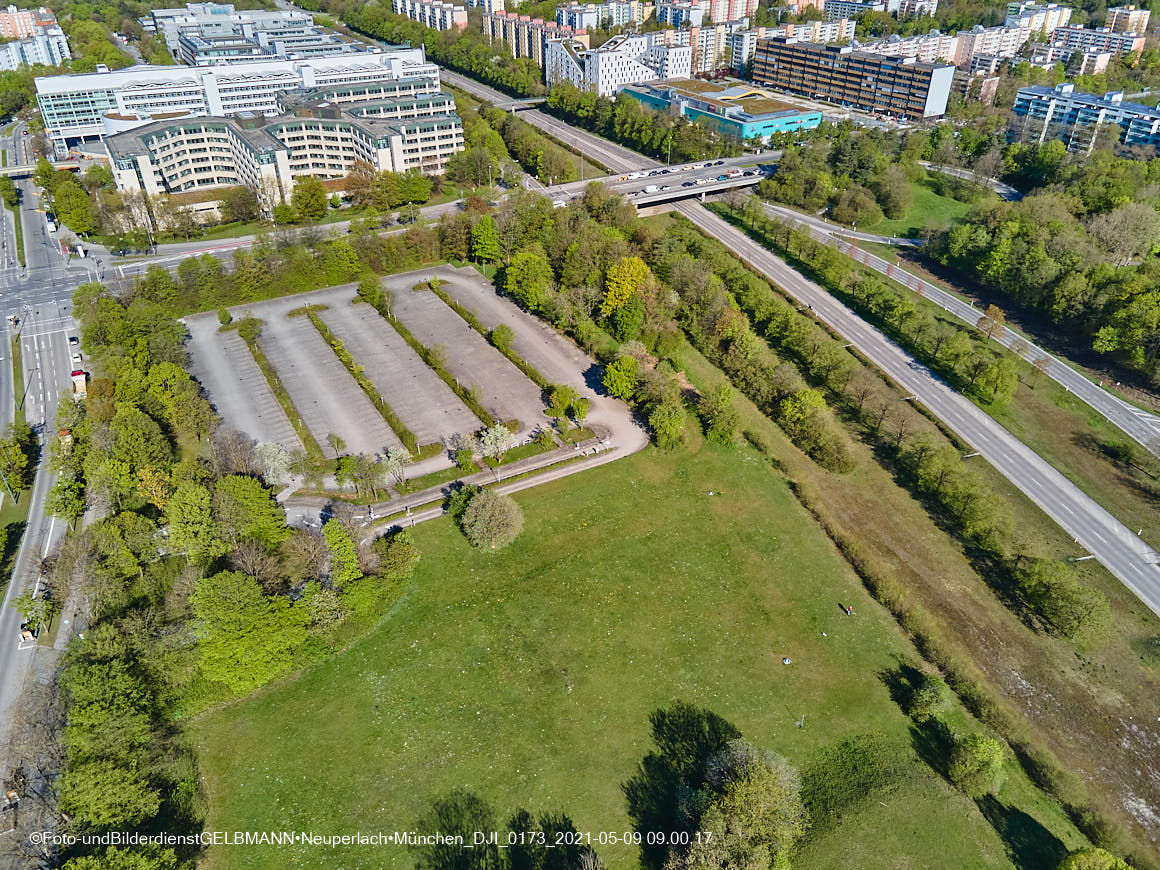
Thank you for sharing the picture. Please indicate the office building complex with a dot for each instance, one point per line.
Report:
(1077, 119)
(623, 60)
(744, 42)
(525, 36)
(48, 47)
(681, 13)
(1127, 19)
(436, 14)
(737, 109)
(600, 16)
(23, 23)
(899, 86)
(1037, 19)
(313, 135)
(73, 106)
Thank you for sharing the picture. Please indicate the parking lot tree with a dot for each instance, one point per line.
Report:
(561, 397)
(495, 441)
(465, 459)
(393, 464)
(529, 280)
(485, 240)
(192, 530)
(247, 638)
(244, 509)
(340, 546)
(336, 442)
(491, 520)
(308, 198)
(502, 337)
(620, 377)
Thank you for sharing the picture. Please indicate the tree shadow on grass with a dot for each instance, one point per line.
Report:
(1028, 843)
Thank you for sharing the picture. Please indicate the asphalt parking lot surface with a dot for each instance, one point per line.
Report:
(426, 405)
(504, 390)
(322, 390)
(236, 387)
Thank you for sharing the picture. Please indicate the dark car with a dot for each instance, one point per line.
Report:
(689, 184)
(73, 341)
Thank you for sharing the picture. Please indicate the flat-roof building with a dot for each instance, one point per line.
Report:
(743, 43)
(1076, 119)
(734, 108)
(525, 36)
(48, 47)
(1127, 19)
(1036, 18)
(623, 60)
(23, 23)
(72, 106)
(436, 14)
(898, 86)
(600, 16)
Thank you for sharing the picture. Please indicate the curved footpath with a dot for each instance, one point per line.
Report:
(1124, 554)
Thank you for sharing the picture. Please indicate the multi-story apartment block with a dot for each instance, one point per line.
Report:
(681, 13)
(436, 14)
(23, 23)
(1077, 118)
(486, 5)
(623, 60)
(1127, 19)
(1067, 40)
(797, 7)
(49, 47)
(314, 137)
(1038, 19)
(73, 107)
(712, 45)
(526, 36)
(899, 86)
(836, 9)
(997, 42)
(744, 42)
(600, 16)
(915, 8)
(721, 11)
(927, 47)
(979, 87)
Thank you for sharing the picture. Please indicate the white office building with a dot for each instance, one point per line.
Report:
(49, 47)
(73, 107)
(222, 20)
(623, 60)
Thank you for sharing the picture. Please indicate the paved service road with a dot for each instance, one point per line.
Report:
(1141, 425)
(1117, 548)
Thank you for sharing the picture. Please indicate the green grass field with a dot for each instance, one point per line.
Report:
(528, 676)
(927, 207)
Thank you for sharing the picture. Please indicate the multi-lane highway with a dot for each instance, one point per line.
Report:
(1141, 425)
(1119, 549)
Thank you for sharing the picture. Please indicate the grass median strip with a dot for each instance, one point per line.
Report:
(19, 233)
(248, 329)
(428, 356)
(356, 371)
(502, 346)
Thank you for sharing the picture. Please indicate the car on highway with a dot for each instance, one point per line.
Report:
(722, 177)
(73, 341)
(689, 184)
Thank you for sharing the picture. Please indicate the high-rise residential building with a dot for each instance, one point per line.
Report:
(600, 16)
(436, 14)
(1077, 119)
(75, 108)
(836, 9)
(744, 42)
(313, 135)
(1067, 40)
(1036, 18)
(903, 87)
(486, 5)
(994, 42)
(1128, 19)
(914, 8)
(927, 47)
(23, 23)
(623, 60)
(721, 11)
(712, 45)
(48, 47)
(525, 36)
(681, 13)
